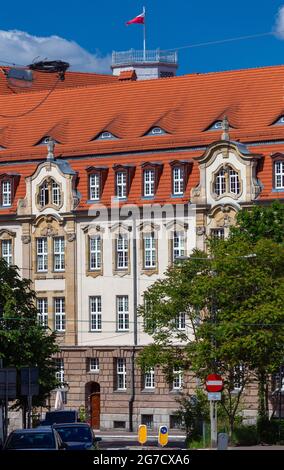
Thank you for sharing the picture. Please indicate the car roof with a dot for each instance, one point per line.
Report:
(41, 429)
(61, 425)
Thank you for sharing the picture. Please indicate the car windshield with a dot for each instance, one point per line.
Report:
(31, 440)
(74, 433)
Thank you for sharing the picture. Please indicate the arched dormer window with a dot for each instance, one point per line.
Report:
(49, 193)
(105, 135)
(156, 131)
(226, 182)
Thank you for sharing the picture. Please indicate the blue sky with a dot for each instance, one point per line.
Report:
(99, 27)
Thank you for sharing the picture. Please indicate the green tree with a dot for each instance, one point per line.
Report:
(23, 342)
(234, 302)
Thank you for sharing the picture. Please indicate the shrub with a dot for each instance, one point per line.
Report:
(246, 435)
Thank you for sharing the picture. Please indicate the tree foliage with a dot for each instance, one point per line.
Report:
(234, 304)
(23, 342)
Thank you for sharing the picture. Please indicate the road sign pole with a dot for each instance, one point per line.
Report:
(213, 421)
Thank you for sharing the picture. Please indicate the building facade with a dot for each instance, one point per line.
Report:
(103, 186)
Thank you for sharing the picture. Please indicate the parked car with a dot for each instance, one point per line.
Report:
(45, 438)
(61, 416)
(77, 436)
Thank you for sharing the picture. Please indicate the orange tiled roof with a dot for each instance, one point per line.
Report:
(45, 81)
(183, 106)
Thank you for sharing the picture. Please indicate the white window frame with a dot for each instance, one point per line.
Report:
(149, 182)
(121, 373)
(94, 364)
(279, 174)
(178, 245)
(59, 254)
(217, 233)
(42, 309)
(156, 131)
(95, 186)
(7, 251)
(238, 377)
(234, 182)
(149, 250)
(178, 180)
(55, 193)
(42, 254)
(122, 247)
(95, 253)
(149, 379)
(95, 305)
(59, 313)
(44, 194)
(6, 193)
(177, 378)
(180, 321)
(121, 184)
(122, 312)
(220, 182)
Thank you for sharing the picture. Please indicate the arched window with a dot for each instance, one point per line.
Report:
(49, 193)
(226, 181)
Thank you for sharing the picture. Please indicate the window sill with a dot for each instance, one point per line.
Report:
(278, 190)
(148, 390)
(95, 331)
(120, 391)
(148, 198)
(93, 201)
(177, 196)
(93, 371)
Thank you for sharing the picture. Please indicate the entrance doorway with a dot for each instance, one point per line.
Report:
(94, 402)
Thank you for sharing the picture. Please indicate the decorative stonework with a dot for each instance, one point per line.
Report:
(71, 237)
(26, 239)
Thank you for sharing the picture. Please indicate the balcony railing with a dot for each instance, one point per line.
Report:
(133, 57)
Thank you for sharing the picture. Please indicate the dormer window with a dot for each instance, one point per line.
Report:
(97, 179)
(156, 131)
(123, 179)
(151, 175)
(8, 185)
(279, 121)
(216, 126)
(46, 139)
(180, 175)
(226, 181)
(49, 193)
(105, 135)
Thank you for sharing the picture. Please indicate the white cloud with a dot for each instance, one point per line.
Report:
(22, 48)
(279, 25)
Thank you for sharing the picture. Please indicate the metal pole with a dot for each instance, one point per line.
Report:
(213, 422)
(29, 399)
(5, 428)
(135, 327)
(144, 34)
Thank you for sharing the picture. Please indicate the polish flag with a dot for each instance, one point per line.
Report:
(140, 19)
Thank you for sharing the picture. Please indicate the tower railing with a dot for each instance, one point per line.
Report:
(132, 56)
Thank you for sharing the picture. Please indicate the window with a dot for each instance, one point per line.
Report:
(176, 422)
(105, 135)
(148, 420)
(121, 184)
(42, 254)
(178, 181)
(59, 253)
(6, 193)
(95, 253)
(149, 182)
(234, 183)
(59, 309)
(178, 245)
(280, 121)
(59, 374)
(149, 378)
(220, 182)
(6, 251)
(94, 364)
(122, 252)
(180, 321)
(227, 181)
(121, 373)
(42, 309)
(96, 313)
(95, 186)
(238, 377)
(150, 248)
(49, 193)
(217, 125)
(177, 378)
(217, 233)
(279, 175)
(119, 425)
(122, 312)
(156, 131)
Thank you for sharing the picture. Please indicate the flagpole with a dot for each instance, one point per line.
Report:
(144, 35)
